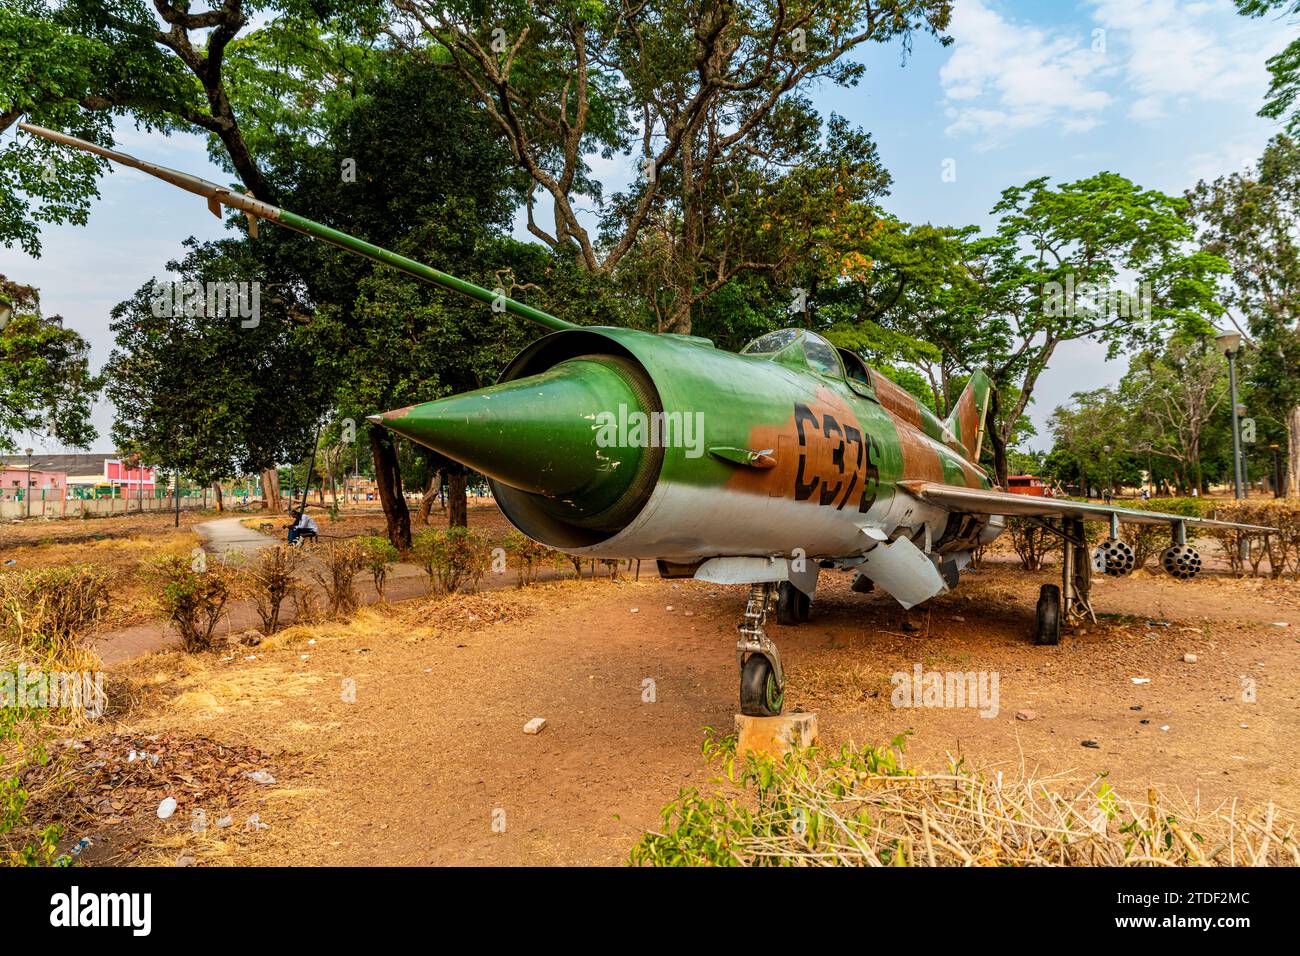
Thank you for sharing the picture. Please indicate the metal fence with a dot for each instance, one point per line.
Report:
(55, 505)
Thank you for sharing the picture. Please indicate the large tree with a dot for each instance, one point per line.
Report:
(1252, 219)
(704, 97)
(1171, 395)
(46, 387)
(1092, 441)
(404, 162)
(1283, 99)
(905, 298)
(1100, 259)
(214, 392)
(82, 65)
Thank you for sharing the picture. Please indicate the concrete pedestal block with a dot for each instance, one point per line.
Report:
(775, 735)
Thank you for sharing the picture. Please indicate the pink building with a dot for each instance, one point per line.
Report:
(51, 485)
(128, 476)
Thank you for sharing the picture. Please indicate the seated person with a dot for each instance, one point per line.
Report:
(303, 524)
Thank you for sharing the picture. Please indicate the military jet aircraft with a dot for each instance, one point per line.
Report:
(764, 467)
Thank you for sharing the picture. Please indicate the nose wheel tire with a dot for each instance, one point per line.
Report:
(1048, 618)
(760, 696)
(792, 605)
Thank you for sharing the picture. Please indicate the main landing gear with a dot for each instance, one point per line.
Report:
(792, 605)
(1067, 602)
(762, 682)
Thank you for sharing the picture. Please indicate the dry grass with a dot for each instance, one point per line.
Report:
(835, 682)
(133, 595)
(461, 612)
(966, 819)
(863, 809)
(74, 530)
(197, 688)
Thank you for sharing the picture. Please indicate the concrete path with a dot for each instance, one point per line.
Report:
(227, 535)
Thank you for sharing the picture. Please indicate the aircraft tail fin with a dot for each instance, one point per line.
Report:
(965, 424)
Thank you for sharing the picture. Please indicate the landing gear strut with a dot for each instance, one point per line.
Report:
(1076, 573)
(1066, 603)
(762, 682)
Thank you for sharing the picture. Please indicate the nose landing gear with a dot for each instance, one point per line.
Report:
(762, 682)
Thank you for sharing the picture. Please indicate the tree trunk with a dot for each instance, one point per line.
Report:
(679, 319)
(1291, 475)
(271, 490)
(430, 492)
(996, 441)
(216, 495)
(388, 482)
(457, 500)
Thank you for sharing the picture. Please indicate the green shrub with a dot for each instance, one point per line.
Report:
(379, 556)
(1032, 542)
(1149, 540)
(1280, 547)
(194, 596)
(528, 555)
(454, 558)
(713, 830)
(861, 807)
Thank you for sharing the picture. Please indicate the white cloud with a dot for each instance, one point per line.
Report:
(1148, 59)
(1238, 156)
(1176, 54)
(1005, 77)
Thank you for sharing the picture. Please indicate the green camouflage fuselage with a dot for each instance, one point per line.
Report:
(611, 442)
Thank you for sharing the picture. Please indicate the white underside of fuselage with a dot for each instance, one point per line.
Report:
(685, 523)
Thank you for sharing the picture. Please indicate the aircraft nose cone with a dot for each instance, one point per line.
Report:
(539, 434)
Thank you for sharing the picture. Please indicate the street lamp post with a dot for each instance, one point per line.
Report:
(1229, 344)
(27, 493)
(1277, 470)
(1110, 488)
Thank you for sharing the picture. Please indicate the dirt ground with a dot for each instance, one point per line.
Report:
(397, 739)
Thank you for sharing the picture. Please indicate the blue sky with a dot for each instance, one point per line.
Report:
(1163, 91)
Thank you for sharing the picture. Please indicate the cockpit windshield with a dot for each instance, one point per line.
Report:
(819, 354)
(772, 343)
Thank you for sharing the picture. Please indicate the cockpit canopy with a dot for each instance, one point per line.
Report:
(801, 347)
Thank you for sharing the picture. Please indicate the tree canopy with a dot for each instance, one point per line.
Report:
(46, 387)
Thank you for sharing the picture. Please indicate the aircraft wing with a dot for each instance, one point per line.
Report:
(981, 501)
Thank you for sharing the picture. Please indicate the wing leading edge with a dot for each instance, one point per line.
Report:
(980, 501)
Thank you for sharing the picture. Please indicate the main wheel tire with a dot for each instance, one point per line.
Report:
(1048, 618)
(792, 605)
(759, 695)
